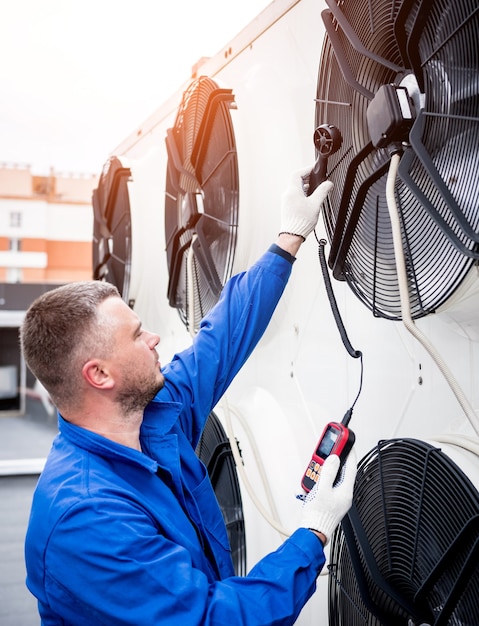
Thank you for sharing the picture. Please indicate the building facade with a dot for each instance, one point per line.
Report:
(46, 226)
(46, 229)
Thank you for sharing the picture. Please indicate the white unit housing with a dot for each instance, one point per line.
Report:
(300, 376)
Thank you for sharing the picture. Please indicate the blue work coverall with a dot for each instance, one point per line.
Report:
(117, 536)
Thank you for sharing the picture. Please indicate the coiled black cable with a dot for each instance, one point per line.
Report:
(356, 354)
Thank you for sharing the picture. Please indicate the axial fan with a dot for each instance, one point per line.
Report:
(201, 200)
(408, 551)
(112, 227)
(215, 451)
(402, 77)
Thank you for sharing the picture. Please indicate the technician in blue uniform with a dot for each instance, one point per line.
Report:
(125, 527)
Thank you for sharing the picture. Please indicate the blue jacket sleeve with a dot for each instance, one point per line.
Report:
(146, 579)
(199, 376)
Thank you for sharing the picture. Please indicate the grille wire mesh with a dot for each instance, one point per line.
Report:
(409, 549)
(437, 191)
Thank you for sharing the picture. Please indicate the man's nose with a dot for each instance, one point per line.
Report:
(153, 340)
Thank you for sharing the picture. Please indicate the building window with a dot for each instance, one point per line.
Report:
(15, 219)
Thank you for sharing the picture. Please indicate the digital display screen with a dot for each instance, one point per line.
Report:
(327, 443)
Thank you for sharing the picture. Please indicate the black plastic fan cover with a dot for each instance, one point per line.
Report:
(408, 552)
(112, 227)
(214, 450)
(430, 48)
(201, 201)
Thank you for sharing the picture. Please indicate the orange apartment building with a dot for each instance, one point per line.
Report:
(46, 225)
(46, 228)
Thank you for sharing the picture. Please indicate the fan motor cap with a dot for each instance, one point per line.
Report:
(390, 116)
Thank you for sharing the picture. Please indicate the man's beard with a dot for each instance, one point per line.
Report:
(138, 393)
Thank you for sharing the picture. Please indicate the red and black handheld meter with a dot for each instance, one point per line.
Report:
(336, 439)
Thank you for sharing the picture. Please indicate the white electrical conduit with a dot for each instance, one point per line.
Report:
(271, 517)
(404, 295)
(191, 289)
(459, 441)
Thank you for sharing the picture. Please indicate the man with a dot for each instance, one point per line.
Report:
(125, 527)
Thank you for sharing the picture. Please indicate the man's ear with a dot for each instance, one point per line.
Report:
(96, 374)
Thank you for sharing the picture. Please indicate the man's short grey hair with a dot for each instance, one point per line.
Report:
(60, 332)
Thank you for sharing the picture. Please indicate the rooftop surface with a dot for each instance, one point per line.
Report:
(24, 443)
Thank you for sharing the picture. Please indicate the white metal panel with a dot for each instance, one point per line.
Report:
(300, 376)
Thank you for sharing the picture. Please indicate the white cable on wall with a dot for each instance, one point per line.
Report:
(271, 517)
(459, 441)
(404, 295)
(191, 289)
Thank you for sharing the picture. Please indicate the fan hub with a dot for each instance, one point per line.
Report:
(189, 210)
(390, 116)
(418, 98)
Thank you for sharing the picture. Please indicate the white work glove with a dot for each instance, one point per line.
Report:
(300, 213)
(326, 505)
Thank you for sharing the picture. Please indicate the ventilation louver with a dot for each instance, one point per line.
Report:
(215, 451)
(112, 227)
(402, 76)
(408, 552)
(201, 202)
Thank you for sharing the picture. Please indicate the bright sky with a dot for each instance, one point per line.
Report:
(79, 75)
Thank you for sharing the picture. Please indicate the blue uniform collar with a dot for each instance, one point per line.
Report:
(159, 418)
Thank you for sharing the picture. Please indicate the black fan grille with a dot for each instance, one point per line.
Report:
(437, 190)
(201, 204)
(215, 451)
(409, 549)
(111, 248)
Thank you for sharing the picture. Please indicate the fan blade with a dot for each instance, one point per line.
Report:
(461, 222)
(178, 249)
(206, 127)
(341, 56)
(201, 248)
(175, 165)
(365, 567)
(355, 41)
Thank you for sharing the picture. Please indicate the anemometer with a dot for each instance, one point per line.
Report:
(327, 140)
(336, 437)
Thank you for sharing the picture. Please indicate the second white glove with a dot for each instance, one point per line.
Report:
(326, 504)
